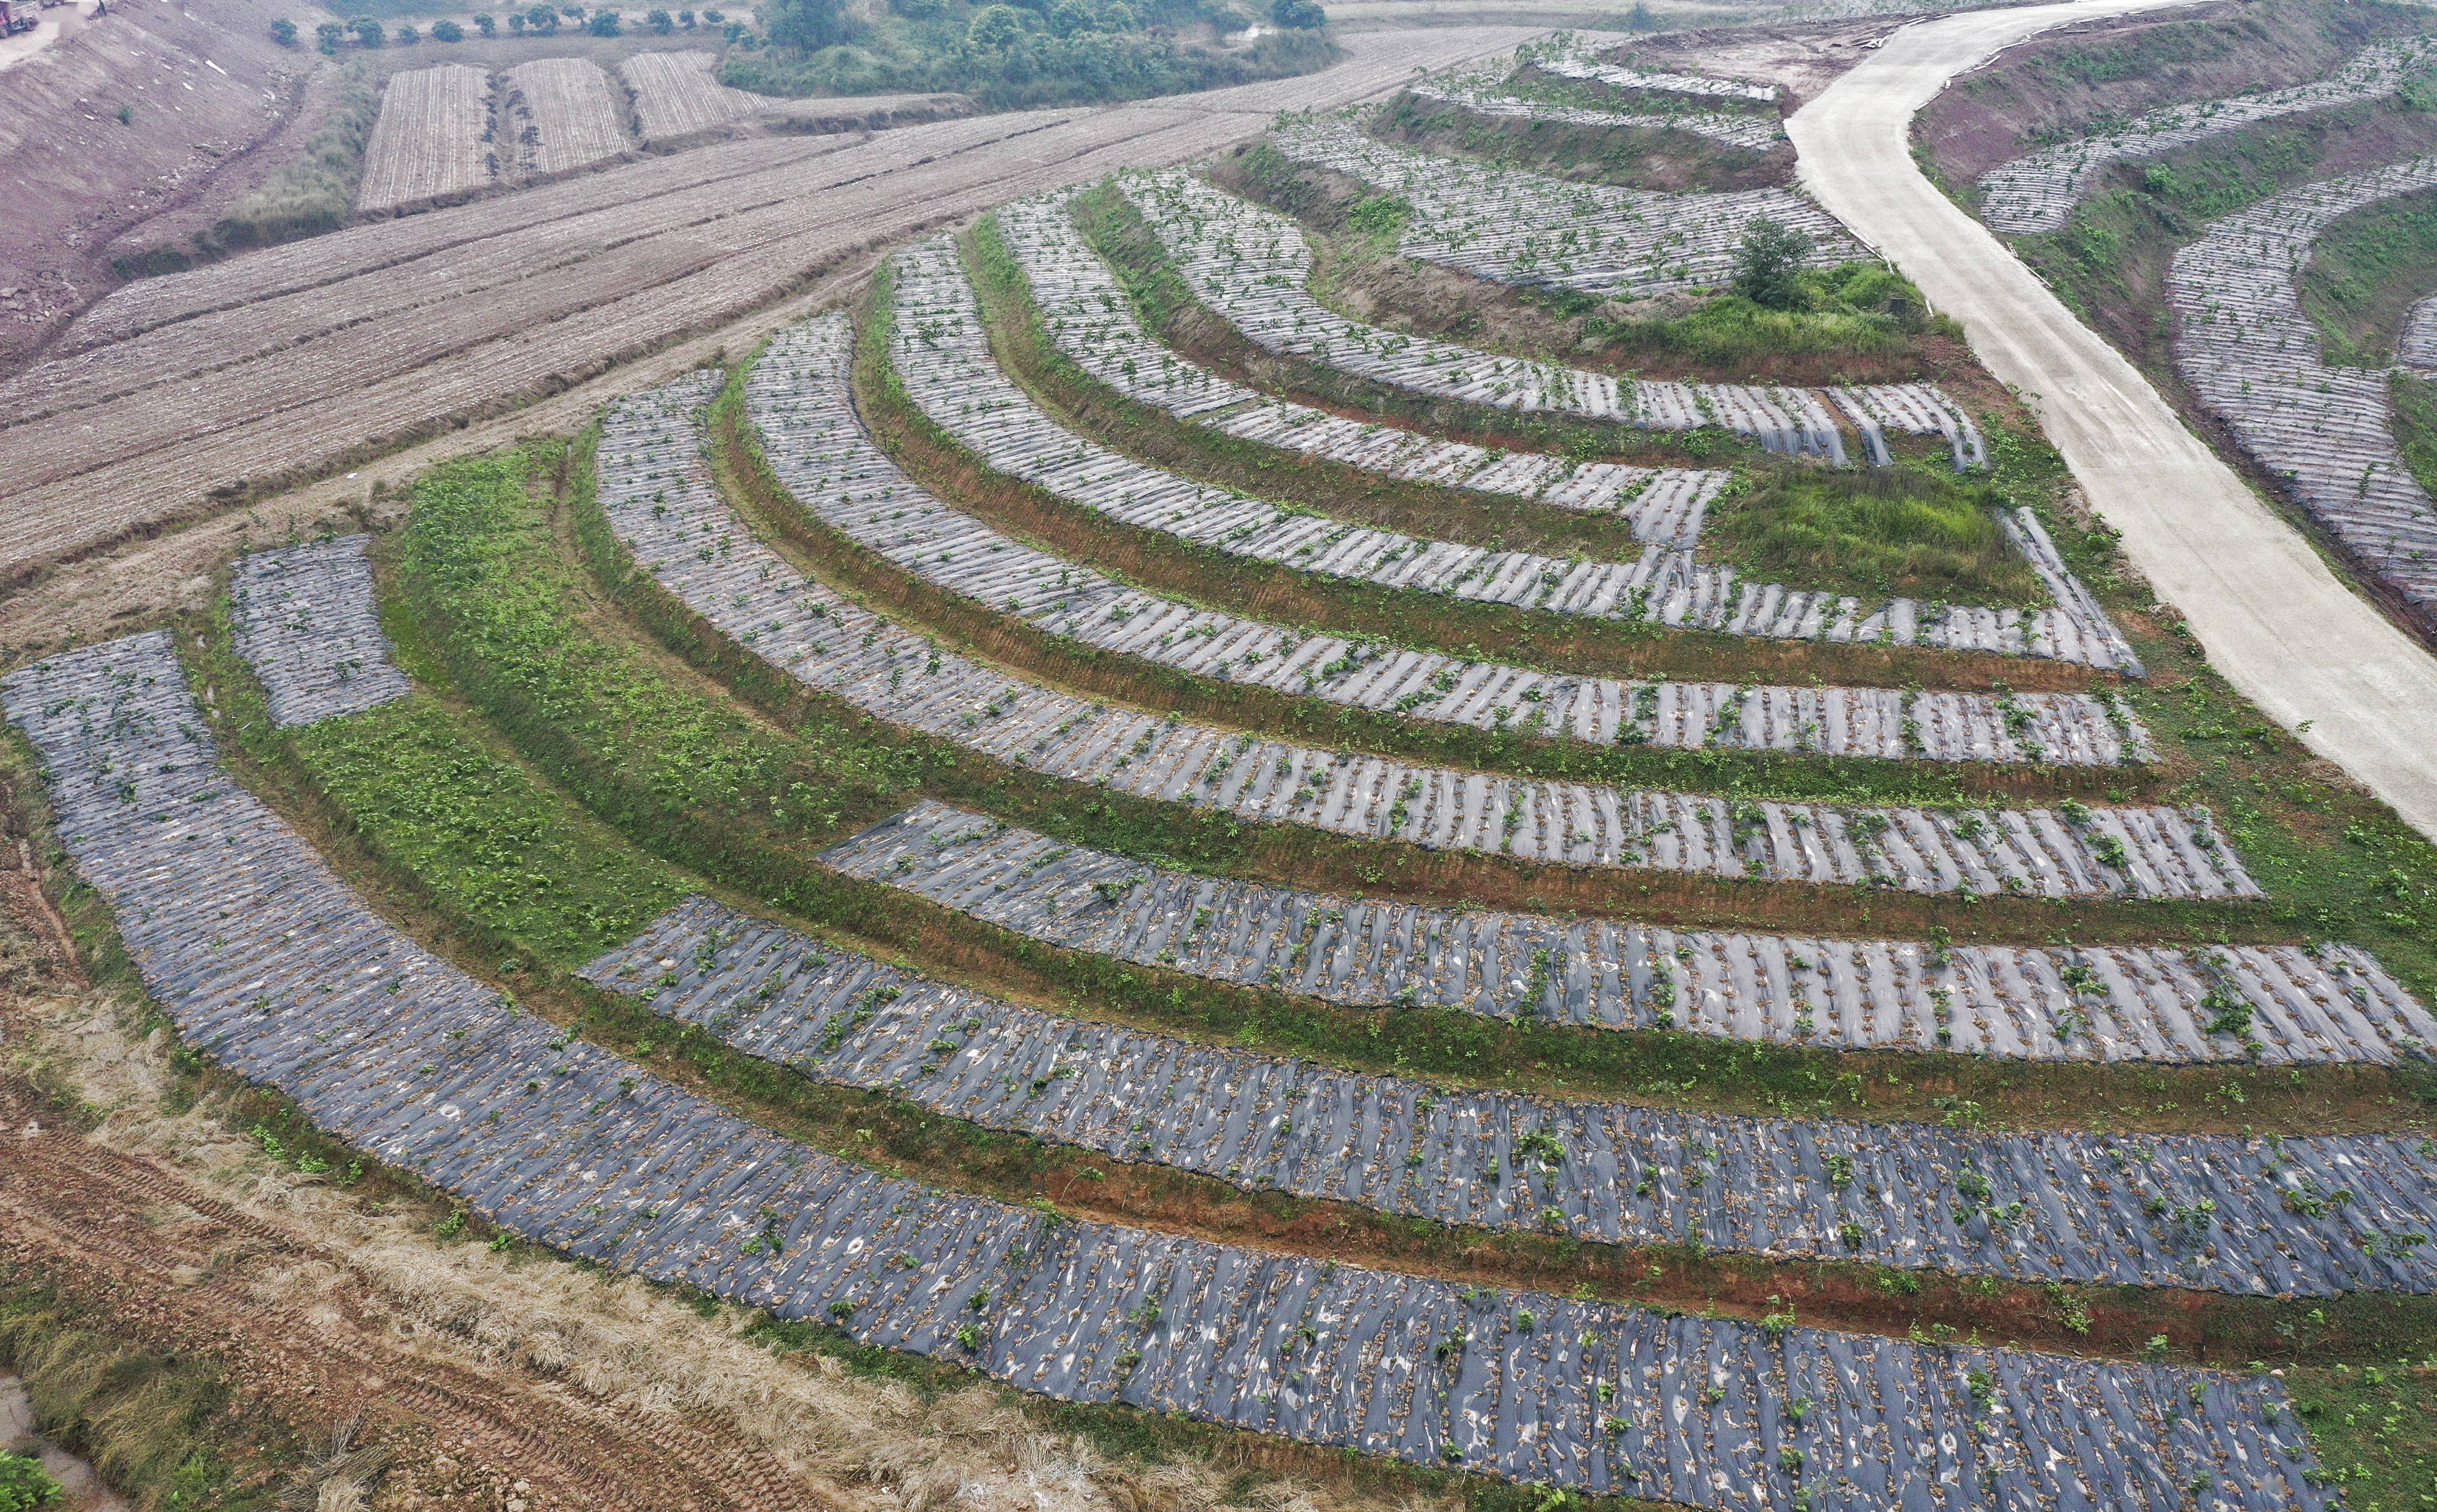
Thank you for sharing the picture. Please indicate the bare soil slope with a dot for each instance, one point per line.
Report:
(201, 91)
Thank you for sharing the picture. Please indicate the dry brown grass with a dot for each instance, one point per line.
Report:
(855, 1439)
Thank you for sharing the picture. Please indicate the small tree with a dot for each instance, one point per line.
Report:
(1639, 18)
(329, 35)
(1298, 15)
(485, 25)
(714, 18)
(408, 36)
(543, 19)
(516, 23)
(447, 31)
(685, 19)
(603, 24)
(1766, 263)
(661, 22)
(368, 31)
(283, 31)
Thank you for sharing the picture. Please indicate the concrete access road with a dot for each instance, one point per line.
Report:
(2272, 615)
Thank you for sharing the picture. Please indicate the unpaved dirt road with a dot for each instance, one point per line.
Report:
(2274, 618)
(179, 396)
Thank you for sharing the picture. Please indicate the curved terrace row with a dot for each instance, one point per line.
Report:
(2253, 357)
(798, 396)
(270, 964)
(654, 490)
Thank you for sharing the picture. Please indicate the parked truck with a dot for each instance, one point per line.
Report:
(22, 15)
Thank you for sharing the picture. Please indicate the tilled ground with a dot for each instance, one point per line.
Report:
(187, 392)
(464, 1435)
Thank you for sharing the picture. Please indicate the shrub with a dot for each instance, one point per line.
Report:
(483, 24)
(543, 19)
(685, 19)
(447, 31)
(329, 35)
(408, 36)
(1767, 262)
(1298, 15)
(603, 24)
(283, 31)
(24, 1486)
(368, 31)
(661, 22)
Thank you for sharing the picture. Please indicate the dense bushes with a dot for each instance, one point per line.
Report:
(1011, 56)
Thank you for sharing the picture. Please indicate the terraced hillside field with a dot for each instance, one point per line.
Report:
(2188, 229)
(1309, 893)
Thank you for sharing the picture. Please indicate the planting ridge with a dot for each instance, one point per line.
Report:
(654, 490)
(304, 618)
(2279, 1004)
(1253, 268)
(939, 350)
(432, 140)
(1512, 226)
(2251, 355)
(563, 116)
(266, 961)
(1503, 88)
(2037, 193)
(800, 397)
(2203, 1211)
(1586, 65)
(2416, 344)
(1087, 315)
(679, 94)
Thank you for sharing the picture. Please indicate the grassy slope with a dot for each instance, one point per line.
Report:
(2366, 271)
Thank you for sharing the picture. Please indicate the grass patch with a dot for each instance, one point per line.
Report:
(164, 1429)
(1871, 533)
(2374, 1427)
(2366, 271)
(2414, 415)
(475, 833)
(315, 193)
(1855, 309)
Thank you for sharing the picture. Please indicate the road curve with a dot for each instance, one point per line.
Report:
(2274, 620)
